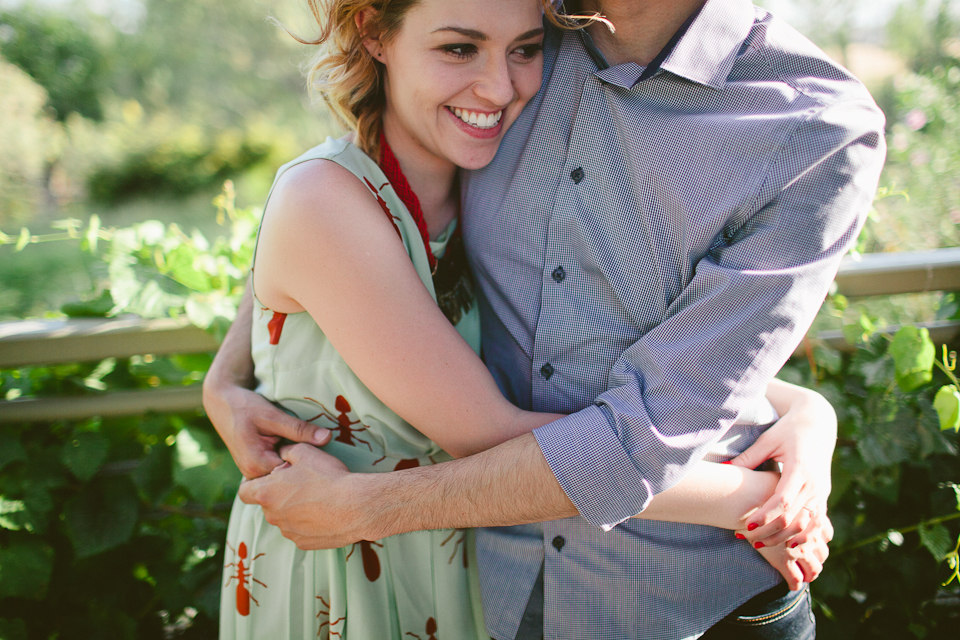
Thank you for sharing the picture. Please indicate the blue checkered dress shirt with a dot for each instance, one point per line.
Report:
(649, 253)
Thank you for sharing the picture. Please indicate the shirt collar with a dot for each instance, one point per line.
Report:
(703, 50)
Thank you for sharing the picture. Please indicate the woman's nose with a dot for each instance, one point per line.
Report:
(495, 84)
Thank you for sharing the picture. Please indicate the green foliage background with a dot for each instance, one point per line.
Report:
(113, 528)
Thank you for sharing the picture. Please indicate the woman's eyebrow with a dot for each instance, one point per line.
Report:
(529, 34)
(469, 33)
(473, 34)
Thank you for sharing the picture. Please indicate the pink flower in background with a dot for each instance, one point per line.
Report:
(916, 119)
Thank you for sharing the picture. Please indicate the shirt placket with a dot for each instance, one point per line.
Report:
(547, 366)
(561, 273)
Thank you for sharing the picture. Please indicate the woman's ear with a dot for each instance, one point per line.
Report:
(364, 20)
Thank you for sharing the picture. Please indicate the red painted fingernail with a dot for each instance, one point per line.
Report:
(795, 545)
(758, 545)
(752, 526)
(740, 536)
(727, 462)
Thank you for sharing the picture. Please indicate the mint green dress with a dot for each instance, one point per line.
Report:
(418, 585)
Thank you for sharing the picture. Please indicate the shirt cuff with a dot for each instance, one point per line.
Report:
(593, 468)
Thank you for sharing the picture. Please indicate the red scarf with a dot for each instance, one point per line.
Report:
(391, 168)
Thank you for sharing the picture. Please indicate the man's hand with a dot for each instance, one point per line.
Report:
(803, 442)
(309, 499)
(249, 425)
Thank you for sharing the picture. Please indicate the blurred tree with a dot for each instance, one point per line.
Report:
(65, 60)
(25, 135)
(219, 62)
(922, 33)
(829, 22)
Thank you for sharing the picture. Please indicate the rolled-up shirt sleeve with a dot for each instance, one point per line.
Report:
(746, 307)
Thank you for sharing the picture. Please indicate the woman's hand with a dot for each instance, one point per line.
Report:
(249, 425)
(801, 560)
(802, 441)
(252, 427)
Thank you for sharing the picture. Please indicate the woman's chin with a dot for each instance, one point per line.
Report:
(476, 159)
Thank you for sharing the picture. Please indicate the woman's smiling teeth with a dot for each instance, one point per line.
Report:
(477, 119)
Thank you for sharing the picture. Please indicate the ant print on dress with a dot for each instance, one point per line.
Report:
(458, 537)
(330, 624)
(344, 426)
(383, 205)
(243, 577)
(371, 561)
(431, 630)
(406, 463)
(275, 326)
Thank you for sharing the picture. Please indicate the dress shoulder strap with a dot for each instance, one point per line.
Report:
(350, 157)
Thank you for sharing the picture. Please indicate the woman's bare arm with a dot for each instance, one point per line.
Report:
(327, 248)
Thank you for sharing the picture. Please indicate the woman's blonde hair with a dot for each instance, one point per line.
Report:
(349, 79)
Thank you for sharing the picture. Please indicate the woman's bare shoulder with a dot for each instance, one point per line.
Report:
(318, 193)
(319, 223)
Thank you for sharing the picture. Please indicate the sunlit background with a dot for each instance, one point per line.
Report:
(140, 109)
(114, 113)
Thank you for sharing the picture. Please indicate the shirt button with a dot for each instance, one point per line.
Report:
(546, 371)
(558, 543)
(559, 274)
(577, 175)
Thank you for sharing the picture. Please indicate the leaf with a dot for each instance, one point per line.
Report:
(23, 240)
(947, 404)
(913, 355)
(10, 449)
(8, 507)
(877, 373)
(34, 515)
(25, 570)
(96, 308)
(31, 484)
(180, 267)
(828, 359)
(14, 629)
(93, 233)
(102, 516)
(936, 539)
(200, 314)
(205, 471)
(192, 447)
(883, 444)
(155, 473)
(95, 379)
(84, 454)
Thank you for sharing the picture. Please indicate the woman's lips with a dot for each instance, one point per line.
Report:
(493, 122)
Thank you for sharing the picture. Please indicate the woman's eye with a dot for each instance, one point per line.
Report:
(529, 51)
(460, 50)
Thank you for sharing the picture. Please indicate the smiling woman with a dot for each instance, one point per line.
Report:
(352, 83)
(425, 88)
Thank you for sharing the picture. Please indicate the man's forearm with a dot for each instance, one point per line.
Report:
(513, 484)
(509, 484)
(233, 364)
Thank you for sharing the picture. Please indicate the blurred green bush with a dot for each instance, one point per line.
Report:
(111, 529)
(178, 166)
(896, 491)
(114, 529)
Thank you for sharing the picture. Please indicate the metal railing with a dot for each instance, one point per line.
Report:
(43, 342)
